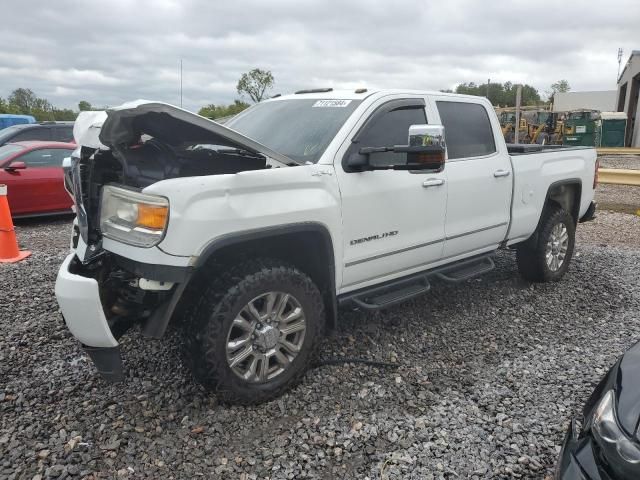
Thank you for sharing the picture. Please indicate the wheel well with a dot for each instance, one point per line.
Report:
(566, 196)
(309, 250)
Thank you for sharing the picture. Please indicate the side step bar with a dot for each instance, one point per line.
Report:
(389, 293)
(396, 291)
(466, 269)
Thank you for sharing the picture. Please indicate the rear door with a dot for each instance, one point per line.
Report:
(393, 223)
(479, 177)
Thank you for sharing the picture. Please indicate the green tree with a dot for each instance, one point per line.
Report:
(561, 86)
(255, 84)
(218, 111)
(503, 94)
(84, 106)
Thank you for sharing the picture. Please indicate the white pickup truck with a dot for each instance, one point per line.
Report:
(250, 235)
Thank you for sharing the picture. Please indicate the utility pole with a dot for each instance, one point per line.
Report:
(517, 125)
(488, 82)
(180, 83)
(619, 62)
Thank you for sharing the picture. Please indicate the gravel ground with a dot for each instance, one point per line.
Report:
(620, 161)
(490, 372)
(621, 198)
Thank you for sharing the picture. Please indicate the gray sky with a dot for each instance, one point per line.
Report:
(111, 51)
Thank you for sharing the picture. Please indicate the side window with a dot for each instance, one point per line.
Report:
(63, 134)
(467, 129)
(47, 157)
(33, 134)
(392, 128)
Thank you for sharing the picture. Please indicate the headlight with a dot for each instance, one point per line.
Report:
(608, 433)
(132, 217)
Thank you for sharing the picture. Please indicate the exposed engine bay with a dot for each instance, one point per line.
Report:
(143, 143)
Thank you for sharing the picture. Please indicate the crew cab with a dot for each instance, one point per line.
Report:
(251, 234)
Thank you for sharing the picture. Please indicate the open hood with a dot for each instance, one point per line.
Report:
(125, 125)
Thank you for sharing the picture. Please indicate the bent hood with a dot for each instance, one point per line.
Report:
(124, 125)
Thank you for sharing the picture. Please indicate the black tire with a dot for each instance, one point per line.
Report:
(531, 255)
(219, 301)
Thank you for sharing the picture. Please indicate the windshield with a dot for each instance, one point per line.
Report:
(9, 150)
(300, 129)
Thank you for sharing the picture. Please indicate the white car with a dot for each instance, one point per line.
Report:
(253, 233)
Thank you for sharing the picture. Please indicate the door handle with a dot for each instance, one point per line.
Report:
(501, 173)
(433, 182)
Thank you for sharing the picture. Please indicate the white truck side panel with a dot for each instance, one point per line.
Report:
(204, 209)
(535, 173)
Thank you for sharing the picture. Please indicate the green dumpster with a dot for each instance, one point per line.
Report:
(612, 127)
(580, 128)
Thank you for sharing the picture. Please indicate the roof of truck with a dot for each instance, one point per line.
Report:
(361, 93)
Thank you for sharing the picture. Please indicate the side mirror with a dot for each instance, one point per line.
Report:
(426, 150)
(16, 166)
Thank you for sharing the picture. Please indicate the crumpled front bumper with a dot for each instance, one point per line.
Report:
(79, 300)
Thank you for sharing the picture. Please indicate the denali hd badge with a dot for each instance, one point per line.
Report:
(374, 237)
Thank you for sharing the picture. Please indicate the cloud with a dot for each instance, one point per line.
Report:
(111, 52)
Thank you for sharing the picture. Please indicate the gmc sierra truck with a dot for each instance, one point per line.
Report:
(252, 234)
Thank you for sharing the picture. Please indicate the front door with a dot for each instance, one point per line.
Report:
(393, 220)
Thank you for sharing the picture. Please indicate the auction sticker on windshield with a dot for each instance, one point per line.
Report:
(332, 103)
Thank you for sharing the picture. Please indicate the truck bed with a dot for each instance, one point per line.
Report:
(526, 149)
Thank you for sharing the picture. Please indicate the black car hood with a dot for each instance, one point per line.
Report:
(624, 379)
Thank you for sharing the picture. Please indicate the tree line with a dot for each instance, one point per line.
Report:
(504, 94)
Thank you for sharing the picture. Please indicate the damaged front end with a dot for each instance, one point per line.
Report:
(117, 275)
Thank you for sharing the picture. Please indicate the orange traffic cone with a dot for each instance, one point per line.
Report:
(9, 252)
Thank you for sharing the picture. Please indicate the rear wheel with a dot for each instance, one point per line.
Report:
(546, 257)
(254, 330)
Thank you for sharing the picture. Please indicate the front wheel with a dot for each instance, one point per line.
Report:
(254, 331)
(546, 258)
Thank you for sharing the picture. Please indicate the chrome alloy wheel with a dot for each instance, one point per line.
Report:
(557, 247)
(265, 337)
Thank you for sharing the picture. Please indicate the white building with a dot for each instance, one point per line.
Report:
(604, 101)
(627, 101)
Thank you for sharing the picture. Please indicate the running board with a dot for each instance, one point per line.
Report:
(466, 269)
(389, 294)
(396, 291)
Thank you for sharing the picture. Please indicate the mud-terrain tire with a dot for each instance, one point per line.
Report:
(245, 307)
(546, 257)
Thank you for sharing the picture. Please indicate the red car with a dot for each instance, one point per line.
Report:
(33, 174)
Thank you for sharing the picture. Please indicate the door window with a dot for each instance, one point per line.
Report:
(467, 129)
(389, 129)
(46, 157)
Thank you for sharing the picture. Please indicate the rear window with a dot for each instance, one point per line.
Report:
(467, 129)
(33, 133)
(7, 133)
(63, 134)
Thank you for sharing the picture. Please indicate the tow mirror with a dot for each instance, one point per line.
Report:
(426, 151)
(16, 166)
(430, 148)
